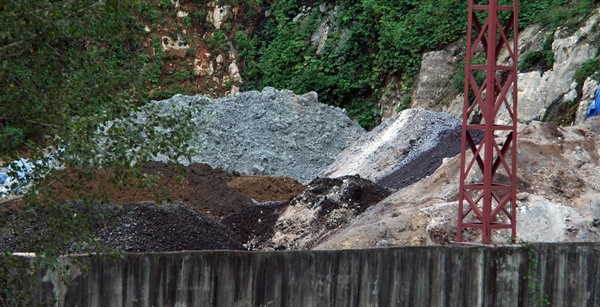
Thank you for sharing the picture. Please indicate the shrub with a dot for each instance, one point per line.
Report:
(588, 68)
(542, 60)
(144, 58)
(11, 138)
(165, 4)
(183, 75)
(187, 21)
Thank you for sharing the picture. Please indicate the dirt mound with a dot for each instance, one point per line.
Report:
(403, 150)
(213, 192)
(131, 227)
(557, 196)
(205, 195)
(271, 132)
(328, 204)
(150, 227)
(350, 192)
(262, 188)
(209, 191)
(255, 224)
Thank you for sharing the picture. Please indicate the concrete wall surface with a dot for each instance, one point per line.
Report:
(560, 274)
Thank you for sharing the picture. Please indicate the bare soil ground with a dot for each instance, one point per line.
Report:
(198, 197)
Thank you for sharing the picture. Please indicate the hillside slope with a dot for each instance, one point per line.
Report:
(558, 196)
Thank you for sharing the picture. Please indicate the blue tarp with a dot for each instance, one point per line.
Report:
(594, 108)
(23, 170)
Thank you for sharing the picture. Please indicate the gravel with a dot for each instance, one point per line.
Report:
(272, 132)
(404, 149)
(151, 227)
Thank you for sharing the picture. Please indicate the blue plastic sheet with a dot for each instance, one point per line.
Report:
(594, 108)
(20, 172)
(22, 167)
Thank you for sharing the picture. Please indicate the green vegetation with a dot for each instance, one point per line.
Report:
(542, 60)
(187, 21)
(537, 296)
(369, 42)
(11, 137)
(183, 74)
(67, 69)
(54, 65)
(405, 104)
(588, 68)
(458, 80)
(557, 13)
(375, 40)
(46, 65)
(218, 41)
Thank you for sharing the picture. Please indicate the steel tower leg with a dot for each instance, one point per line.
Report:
(488, 177)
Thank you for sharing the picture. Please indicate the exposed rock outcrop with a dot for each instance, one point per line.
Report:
(219, 15)
(433, 82)
(538, 91)
(587, 98)
(175, 47)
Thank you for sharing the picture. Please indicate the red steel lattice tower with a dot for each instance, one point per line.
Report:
(487, 195)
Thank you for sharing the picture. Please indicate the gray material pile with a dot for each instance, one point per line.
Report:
(271, 132)
(404, 149)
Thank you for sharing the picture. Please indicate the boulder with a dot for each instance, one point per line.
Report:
(175, 47)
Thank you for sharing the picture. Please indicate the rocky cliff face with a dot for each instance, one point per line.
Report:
(202, 45)
(542, 94)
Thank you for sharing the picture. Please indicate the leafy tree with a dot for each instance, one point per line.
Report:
(70, 82)
(65, 59)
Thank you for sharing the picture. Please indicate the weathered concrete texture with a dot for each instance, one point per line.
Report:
(568, 275)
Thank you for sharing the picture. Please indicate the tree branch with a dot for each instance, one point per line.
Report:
(14, 44)
(7, 202)
(35, 35)
(6, 118)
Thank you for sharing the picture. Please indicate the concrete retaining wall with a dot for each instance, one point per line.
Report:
(566, 274)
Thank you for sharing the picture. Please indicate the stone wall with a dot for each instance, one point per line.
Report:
(567, 274)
